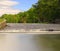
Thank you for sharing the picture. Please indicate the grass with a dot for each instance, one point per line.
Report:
(1, 20)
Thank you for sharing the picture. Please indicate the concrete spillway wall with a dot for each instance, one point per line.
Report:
(31, 28)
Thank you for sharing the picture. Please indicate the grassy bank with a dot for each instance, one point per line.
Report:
(2, 23)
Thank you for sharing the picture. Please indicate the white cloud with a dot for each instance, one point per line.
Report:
(9, 11)
(8, 3)
(6, 7)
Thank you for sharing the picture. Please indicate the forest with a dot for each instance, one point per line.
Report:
(44, 11)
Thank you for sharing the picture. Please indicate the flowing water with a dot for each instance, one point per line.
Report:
(29, 42)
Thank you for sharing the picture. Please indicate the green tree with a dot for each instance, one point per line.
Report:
(11, 18)
(47, 10)
(23, 17)
(31, 16)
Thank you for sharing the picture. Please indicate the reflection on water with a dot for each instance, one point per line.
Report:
(2, 42)
(48, 42)
(27, 42)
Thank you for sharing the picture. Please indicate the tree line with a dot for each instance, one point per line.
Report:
(44, 11)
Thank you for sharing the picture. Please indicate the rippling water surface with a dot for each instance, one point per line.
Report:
(29, 42)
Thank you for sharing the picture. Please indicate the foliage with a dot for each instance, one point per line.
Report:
(11, 18)
(48, 10)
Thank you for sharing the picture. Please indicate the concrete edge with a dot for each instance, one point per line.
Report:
(29, 32)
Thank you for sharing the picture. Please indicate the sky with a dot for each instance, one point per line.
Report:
(15, 6)
(25, 4)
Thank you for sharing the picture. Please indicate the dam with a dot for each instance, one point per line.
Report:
(27, 28)
(30, 37)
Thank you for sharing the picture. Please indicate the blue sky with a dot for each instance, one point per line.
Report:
(25, 4)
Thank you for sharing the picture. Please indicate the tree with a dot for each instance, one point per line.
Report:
(23, 17)
(11, 18)
(47, 10)
(31, 16)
